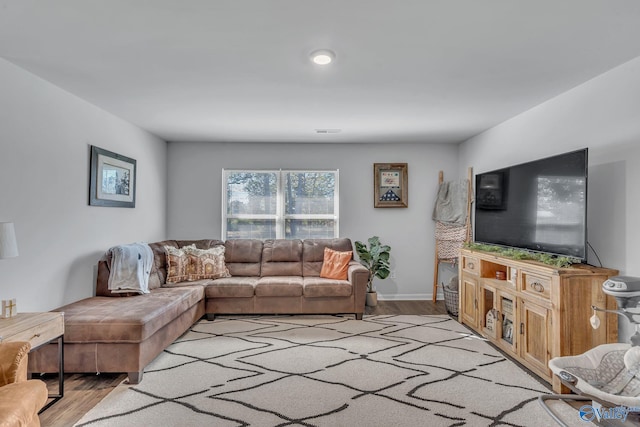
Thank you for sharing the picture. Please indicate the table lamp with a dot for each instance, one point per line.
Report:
(8, 243)
(8, 249)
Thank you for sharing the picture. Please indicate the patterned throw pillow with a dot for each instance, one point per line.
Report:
(335, 264)
(206, 263)
(177, 264)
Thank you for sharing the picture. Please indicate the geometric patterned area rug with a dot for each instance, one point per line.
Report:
(397, 370)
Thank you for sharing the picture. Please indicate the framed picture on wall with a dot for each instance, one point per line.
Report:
(390, 185)
(112, 179)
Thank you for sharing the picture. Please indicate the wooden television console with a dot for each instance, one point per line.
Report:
(534, 312)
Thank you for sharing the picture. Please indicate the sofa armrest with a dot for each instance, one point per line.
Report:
(13, 362)
(358, 275)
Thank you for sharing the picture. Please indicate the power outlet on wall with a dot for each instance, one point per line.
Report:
(392, 275)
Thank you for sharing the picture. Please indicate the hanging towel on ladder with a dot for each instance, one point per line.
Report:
(451, 202)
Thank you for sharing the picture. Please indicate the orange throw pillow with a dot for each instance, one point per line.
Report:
(335, 264)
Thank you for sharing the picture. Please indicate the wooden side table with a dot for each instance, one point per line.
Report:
(38, 329)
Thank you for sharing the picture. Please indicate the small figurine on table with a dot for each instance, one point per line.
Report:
(8, 308)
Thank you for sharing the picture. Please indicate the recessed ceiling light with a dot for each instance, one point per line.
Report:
(322, 56)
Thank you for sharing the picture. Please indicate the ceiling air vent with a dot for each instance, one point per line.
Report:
(328, 130)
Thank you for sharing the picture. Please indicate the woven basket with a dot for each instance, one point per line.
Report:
(446, 231)
(451, 301)
(449, 249)
(450, 238)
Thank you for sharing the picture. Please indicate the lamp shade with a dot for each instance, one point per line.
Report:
(8, 243)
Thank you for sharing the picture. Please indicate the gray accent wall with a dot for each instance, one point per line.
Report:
(44, 179)
(195, 196)
(602, 114)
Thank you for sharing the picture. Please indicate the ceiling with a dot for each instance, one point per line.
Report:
(427, 71)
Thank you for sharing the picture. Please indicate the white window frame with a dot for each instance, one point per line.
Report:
(280, 217)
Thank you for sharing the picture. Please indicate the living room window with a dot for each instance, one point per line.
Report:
(279, 204)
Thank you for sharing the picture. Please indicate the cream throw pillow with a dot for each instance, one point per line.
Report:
(177, 264)
(206, 263)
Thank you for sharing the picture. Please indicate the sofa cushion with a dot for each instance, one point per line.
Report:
(160, 259)
(313, 253)
(314, 287)
(281, 257)
(231, 287)
(206, 263)
(335, 264)
(177, 265)
(243, 257)
(200, 244)
(126, 320)
(202, 282)
(279, 286)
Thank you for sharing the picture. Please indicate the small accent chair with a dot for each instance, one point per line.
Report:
(20, 398)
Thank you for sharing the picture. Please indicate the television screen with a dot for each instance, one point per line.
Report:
(540, 205)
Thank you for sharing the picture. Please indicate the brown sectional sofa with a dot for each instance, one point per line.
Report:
(116, 333)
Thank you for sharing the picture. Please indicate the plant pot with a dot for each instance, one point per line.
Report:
(372, 299)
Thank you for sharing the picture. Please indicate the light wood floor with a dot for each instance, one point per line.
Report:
(83, 391)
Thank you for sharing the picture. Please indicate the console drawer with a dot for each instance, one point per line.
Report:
(537, 285)
(37, 331)
(471, 264)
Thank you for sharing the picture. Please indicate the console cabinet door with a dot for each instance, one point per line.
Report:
(488, 318)
(535, 329)
(507, 337)
(469, 301)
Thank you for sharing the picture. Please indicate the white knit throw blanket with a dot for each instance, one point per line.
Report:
(130, 268)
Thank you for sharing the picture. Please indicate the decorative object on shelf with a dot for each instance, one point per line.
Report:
(501, 275)
(521, 254)
(8, 242)
(390, 185)
(113, 179)
(491, 319)
(375, 257)
(513, 275)
(8, 308)
(507, 320)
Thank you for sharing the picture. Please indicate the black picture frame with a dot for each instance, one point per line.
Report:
(112, 179)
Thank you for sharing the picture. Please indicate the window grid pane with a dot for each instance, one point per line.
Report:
(309, 192)
(309, 229)
(251, 229)
(251, 193)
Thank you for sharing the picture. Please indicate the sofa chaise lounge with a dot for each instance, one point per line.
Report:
(123, 333)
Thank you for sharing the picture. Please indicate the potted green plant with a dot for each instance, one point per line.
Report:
(375, 257)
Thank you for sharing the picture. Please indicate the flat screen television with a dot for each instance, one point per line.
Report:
(539, 206)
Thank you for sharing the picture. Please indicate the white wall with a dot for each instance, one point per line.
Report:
(44, 175)
(602, 114)
(195, 185)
